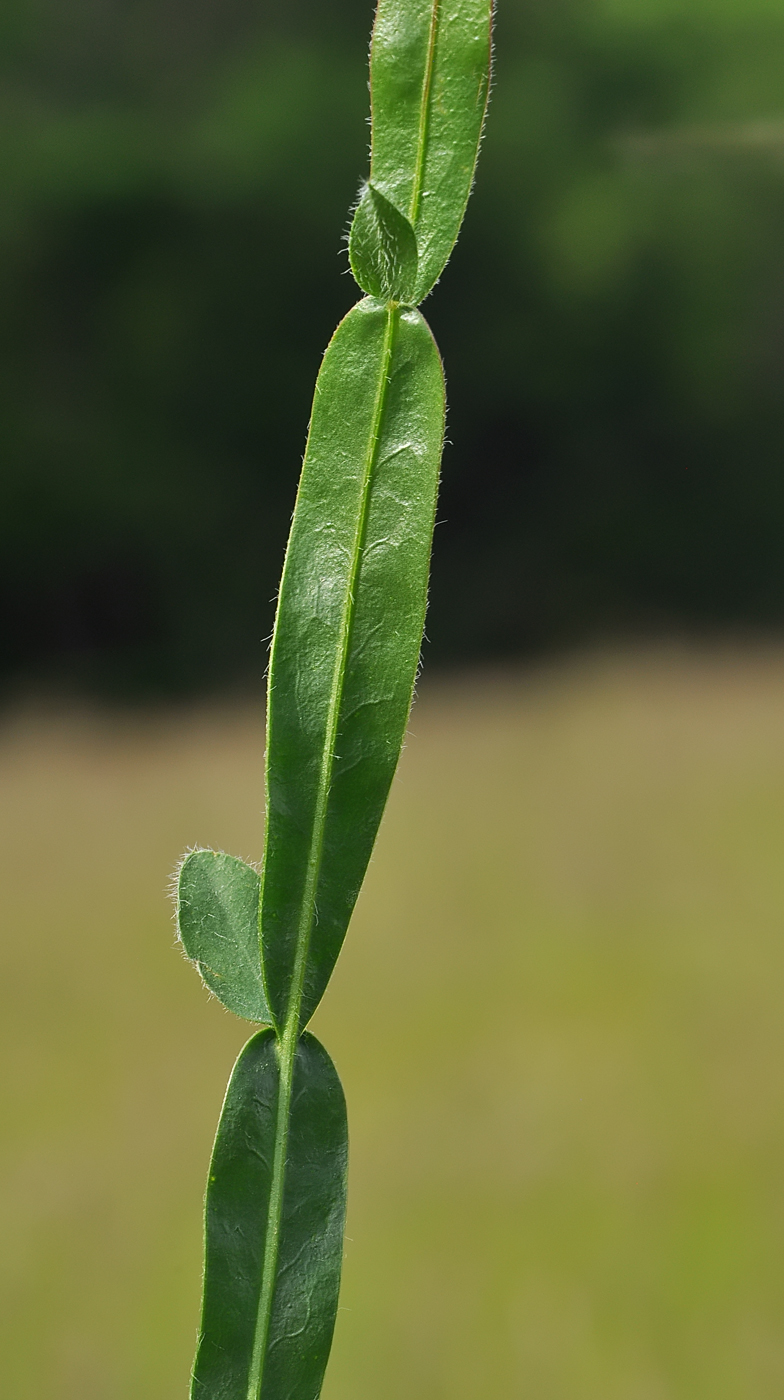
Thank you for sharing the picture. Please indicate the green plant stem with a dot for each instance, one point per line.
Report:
(287, 1044)
(424, 112)
(287, 1049)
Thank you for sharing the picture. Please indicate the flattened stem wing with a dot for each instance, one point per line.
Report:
(345, 652)
(273, 1239)
(429, 81)
(347, 636)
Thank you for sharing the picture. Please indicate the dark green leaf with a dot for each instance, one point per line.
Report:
(429, 78)
(274, 1218)
(347, 637)
(382, 248)
(344, 657)
(218, 921)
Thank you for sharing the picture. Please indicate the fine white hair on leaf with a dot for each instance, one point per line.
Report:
(173, 890)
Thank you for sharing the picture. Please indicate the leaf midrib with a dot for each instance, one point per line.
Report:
(424, 116)
(287, 1045)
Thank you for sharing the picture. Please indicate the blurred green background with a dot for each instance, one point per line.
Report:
(176, 184)
(558, 1014)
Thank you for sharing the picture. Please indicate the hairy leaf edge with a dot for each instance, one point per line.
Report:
(173, 892)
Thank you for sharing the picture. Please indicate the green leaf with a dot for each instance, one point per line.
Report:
(382, 248)
(218, 921)
(274, 1217)
(347, 637)
(429, 81)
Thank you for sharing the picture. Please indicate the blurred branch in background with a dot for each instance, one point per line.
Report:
(617, 457)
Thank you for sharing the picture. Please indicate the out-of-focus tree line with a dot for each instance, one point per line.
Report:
(176, 179)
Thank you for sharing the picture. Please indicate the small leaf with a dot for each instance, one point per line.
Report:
(218, 921)
(274, 1218)
(382, 248)
(347, 637)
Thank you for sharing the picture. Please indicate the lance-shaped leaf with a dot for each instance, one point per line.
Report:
(218, 922)
(347, 637)
(274, 1218)
(382, 248)
(429, 81)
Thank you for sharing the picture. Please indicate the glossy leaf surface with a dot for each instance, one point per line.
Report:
(347, 636)
(217, 918)
(429, 79)
(274, 1219)
(382, 249)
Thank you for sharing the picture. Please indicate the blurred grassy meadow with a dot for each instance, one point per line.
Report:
(558, 1014)
(557, 1018)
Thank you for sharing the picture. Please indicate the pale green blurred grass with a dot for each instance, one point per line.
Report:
(558, 1019)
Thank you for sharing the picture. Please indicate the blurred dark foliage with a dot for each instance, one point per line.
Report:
(176, 184)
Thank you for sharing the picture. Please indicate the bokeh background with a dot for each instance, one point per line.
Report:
(557, 1016)
(176, 185)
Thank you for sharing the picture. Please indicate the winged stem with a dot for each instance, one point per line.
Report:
(308, 911)
(274, 1216)
(287, 1047)
(345, 650)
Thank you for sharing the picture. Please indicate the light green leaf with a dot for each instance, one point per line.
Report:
(429, 81)
(217, 917)
(382, 248)
(274, 1217)
(347, 637)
